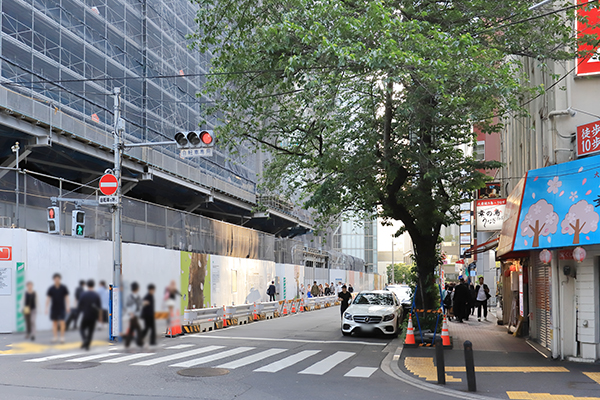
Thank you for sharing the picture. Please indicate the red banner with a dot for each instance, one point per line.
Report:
(590, 64)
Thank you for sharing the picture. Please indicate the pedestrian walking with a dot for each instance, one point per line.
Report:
(483, 294)
(104, 301)
(460, 302)
(321, 291)
(133, 307)
(271, 291)
(74, 314)
(345, 297)
(29, 310)
(90, 308)
(171, 293)
(57, 304)
(148, 316)
(314, 290)
(472, 299)
(327, 290)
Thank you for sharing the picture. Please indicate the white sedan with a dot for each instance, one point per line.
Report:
(373, 310)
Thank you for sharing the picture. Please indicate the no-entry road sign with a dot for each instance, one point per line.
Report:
(108, 184)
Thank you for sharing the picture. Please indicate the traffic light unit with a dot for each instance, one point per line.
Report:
(193, 139)
(53, 220)
(78, 223)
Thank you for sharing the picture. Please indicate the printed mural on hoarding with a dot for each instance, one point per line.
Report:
(195, 280)
(559, 207)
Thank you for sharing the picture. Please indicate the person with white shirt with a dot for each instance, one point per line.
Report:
(483, 294)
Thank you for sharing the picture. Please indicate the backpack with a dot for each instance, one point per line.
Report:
(448, 300)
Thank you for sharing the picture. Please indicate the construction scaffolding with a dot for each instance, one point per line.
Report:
(69, 54)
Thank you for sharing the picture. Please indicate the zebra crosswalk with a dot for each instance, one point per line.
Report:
(261, 360)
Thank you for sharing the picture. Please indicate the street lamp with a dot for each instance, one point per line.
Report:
(15, 149)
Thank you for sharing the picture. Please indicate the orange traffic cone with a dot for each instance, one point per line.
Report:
(224, 318)
(301, 305)
(254, 314)
(175, 328)
(285, 311)
(445, 334)
(293, 307)
(410, 334)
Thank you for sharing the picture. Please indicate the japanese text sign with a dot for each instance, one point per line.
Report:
(490, 214)
(588, 138)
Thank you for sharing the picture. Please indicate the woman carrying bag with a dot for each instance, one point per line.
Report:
(29, 308)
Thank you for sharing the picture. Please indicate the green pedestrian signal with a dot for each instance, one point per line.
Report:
(78, 223)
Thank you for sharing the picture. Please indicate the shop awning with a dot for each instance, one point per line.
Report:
(483, 247)
(553, 207)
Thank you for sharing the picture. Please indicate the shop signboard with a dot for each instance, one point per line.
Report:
(490, 214)
(560, 206)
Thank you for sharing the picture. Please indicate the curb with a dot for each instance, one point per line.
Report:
(389, 365)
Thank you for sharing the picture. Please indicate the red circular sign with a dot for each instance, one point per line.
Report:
(108, 184)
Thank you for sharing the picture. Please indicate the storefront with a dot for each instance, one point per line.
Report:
(550, 234)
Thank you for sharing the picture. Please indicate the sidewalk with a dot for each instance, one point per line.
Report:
(506, 367)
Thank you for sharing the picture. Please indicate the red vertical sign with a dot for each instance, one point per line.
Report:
(590, 64)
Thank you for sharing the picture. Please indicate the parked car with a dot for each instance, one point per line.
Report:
(404, 294)
(371, 311)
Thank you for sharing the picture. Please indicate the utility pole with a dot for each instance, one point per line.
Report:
(393, 266)
(117, 237)
(15, 149)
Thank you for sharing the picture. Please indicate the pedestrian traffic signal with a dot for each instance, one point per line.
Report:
(195, 139)
(53, 217)
(78, 223)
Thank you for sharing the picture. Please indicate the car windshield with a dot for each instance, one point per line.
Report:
(378, 299)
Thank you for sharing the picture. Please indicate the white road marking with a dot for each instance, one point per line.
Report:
(55, 357)
(180, 346)
(208, 336)
(212, 357)
(242, 362)
(327, 364)
(127, 358)
(178, 356)
(288, 361)
(92, 357)
(361, 372)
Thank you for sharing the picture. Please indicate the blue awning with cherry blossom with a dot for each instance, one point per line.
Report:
(559, 207)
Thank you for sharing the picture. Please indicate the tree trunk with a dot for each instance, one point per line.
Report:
(426, 259)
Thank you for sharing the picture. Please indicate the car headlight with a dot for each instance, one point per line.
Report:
(388, 317)
(348, 316)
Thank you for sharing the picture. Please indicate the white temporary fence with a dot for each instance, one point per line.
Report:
(205, 318)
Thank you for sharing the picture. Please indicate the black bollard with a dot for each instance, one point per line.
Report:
(470, 366)
(439, 361)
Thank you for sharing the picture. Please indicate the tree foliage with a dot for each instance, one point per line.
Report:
(403, 273)
(368, 106)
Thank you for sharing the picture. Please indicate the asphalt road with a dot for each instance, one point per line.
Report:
(302, 356)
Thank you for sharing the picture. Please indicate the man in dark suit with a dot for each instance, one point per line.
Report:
(89, 307)
(461, 301)
(271, 291)
(148, 315)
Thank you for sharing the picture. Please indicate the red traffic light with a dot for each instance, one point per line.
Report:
(206, 137)
(51, 213)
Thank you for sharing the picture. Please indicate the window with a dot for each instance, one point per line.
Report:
(480, 150)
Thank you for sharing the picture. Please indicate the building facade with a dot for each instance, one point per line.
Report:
(550, 171)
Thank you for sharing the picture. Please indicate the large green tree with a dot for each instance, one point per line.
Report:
(368, 106)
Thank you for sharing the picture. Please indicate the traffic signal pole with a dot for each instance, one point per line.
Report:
(116, 317)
